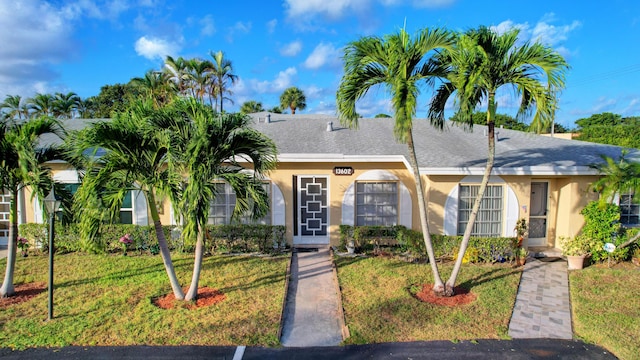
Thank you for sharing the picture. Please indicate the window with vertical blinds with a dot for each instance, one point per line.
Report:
(221, 208)
(377, 203)
(489, 220)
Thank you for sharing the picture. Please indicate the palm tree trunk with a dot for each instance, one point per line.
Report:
(483, 185)
(438, 286)
(192, 294)
(7, 288)
(164, 248)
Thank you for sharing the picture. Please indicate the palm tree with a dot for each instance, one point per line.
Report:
(293, 98)
(87, 108)
(251, 106)
(399, 63)
(156, 85)
(15, 107)
(177, 70)
(221, 75)
(481, 63)
(208, 148)
(23, 166)
(64, 105)
(41, 105)
(199, 77)
(135, 158)
(619, 177)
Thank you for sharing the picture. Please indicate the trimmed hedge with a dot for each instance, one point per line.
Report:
(236, 238)
(480, 250)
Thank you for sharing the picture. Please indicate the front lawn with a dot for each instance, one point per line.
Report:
(606, 307)
(107, 300)
(379, 307)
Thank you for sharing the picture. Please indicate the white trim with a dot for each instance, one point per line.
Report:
(139, 207)
(528, 170)
(67, 177)
(278, 206)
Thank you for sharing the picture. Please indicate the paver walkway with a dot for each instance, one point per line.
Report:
(543, 308)
(312, 315)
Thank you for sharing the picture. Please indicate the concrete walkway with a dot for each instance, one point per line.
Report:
(543, 308)
(312, 315)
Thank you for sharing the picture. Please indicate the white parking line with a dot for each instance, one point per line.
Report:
(239, 353)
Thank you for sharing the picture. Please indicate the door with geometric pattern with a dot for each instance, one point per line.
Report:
(313, 210)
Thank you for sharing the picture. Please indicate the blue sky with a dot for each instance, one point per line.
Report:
(55, 45)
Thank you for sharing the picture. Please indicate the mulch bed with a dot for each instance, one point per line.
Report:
(206, 297)
(461, 296)
(24, 292)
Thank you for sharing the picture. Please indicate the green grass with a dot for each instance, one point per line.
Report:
(107, 300)
(379, 308)
(606, 307)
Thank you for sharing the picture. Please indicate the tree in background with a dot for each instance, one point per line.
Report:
(400, 64)
(276, 110)
(503, 121)
(482, 62)
(382, 116)
(65, 105)
(251, 106)
(293, 98)
(41, 105)
(612, 129)
(221, 78)
(23, 165)
(14, 108)
(157, 86)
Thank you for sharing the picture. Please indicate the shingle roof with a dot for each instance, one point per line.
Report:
(452, 150)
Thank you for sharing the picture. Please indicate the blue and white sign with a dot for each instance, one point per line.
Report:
(609, 247)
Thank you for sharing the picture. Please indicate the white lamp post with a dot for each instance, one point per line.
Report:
(51, 204)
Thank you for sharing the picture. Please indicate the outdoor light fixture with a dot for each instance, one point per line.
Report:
(51, 205)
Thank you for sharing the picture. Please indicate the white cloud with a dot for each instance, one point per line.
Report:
(252, 87)
(208, 26)
(271, 25)
(332, 9)
(632, 108)
(323, 55)
(238, 28)
(433, 3)
(543, 31)
(291, 49)
(155, 48)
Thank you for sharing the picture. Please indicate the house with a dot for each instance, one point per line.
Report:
(329, 175)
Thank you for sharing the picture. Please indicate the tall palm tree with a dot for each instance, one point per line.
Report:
(221, 76)
(482, 62)
(135, 158)
(41, 105)
(155, 85)
(399, 63)
(251, 106)
(14, 107)
(293, 98)
(64, 105)
(178, 71)
(199, 77)
(22, 165)
(208, 147)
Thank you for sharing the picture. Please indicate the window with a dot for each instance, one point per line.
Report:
(489, 219)
(377, 203)
(629, 210)
(126, 211)
(5, 208)
(222, 207)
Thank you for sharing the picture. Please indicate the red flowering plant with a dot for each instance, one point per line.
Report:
(23, 244)
(125, 241)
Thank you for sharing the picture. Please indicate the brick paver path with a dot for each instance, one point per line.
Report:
(543, 308)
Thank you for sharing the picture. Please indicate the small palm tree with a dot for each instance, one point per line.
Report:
(23, 165)
(251, 106)
(221, 76)
(482, 62)
(157, 86)
(135, 158)
(41, 105)
(177, 70)
(293, 98)
(64, 105)
(199, 77)
(400, 63)
(208, 147)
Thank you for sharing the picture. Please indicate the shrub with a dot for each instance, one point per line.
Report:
(602, 225)
(246, 238)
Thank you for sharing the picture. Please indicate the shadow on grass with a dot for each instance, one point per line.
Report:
(487, 277)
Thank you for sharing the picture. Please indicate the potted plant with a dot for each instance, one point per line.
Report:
(576, 250)
(521, 256)
(521, 230)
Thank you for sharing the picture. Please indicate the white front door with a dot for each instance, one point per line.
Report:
(538, 214)
(313, 210)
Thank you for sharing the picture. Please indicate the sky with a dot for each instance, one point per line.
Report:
(50, 46)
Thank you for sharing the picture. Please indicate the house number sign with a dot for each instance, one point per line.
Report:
(343, 170)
